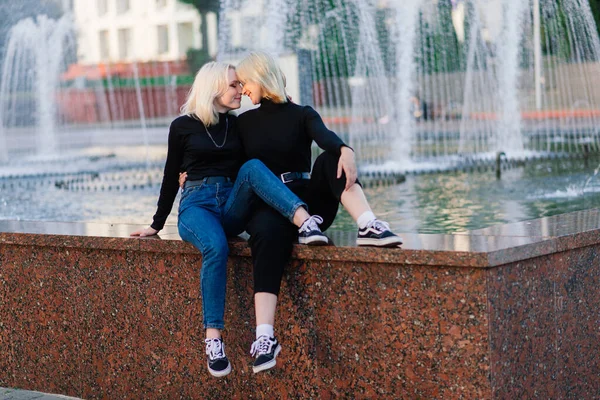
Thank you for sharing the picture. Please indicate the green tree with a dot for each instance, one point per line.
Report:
(196, 58)
(595, 6)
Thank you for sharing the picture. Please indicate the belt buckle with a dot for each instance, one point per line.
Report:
(283, 179)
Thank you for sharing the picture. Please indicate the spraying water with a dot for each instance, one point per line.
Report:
(30, 78)
(404, 82)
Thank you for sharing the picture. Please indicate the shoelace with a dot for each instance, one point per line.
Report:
(311, 224)
(262, 345)
(214, 348)
(379, 225)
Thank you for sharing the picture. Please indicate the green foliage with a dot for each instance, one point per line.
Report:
(440, 47)
(595, 6)
(196, 58)
(204, 6)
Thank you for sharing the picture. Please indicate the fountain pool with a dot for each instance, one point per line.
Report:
(117, 185)
(409, 84)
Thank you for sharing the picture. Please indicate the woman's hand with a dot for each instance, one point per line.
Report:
(347, 164)
(182, 178)
(144, 232)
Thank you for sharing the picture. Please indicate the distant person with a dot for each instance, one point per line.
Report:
(280, 134)
(216, 201)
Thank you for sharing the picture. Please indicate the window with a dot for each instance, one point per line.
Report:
(122, 6)
(102, 6)
(163, 39)
(104, 45)
(185, 37)
(124, 44)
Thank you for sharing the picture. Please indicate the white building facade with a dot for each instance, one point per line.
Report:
(111, 31)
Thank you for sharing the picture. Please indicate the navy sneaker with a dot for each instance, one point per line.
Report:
(310, 233)
(265, 349)
(218, 364)
(377, 233)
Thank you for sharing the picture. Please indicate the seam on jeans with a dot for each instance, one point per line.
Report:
(295, 208)
(288, 213)
(202, 269)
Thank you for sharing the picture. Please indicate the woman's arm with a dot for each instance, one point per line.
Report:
(316, 129)
(329, 141)
(169, 186)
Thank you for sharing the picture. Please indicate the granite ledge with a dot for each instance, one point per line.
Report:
(491, 247)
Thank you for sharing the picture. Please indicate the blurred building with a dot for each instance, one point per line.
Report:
(115, 31)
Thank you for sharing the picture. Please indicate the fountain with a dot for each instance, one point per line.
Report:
(413, 86)
(401, 74)
(491, 296)
(440, 80)
(30, 77)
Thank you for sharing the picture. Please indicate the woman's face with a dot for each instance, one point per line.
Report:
(253, 90)
(231, 99)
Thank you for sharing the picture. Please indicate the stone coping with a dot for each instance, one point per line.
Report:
(489, 247)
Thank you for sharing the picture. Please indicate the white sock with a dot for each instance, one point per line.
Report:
(265, 329)
(365, 218)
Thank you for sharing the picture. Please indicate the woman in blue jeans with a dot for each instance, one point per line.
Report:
(218, 194)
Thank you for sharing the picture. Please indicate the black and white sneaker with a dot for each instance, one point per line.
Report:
(218, 364)
(377, 233)
(310, 233)
(266, 350)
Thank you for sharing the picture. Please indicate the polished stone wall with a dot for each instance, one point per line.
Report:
(508, 312)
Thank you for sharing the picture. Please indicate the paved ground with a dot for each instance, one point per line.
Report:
(15, 394)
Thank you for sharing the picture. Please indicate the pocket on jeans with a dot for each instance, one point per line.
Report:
(186, 192)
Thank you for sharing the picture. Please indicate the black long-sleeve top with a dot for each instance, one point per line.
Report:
(281, 135)
(192, 150)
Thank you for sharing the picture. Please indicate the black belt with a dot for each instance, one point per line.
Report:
(288, 177)
(209, 180)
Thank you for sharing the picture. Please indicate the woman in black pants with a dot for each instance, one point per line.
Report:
(280, 134)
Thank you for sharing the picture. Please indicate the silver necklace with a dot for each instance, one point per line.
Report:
(224, 140)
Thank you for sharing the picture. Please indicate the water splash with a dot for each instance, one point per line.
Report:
(416, 80)
(35, 55)
(409, 81)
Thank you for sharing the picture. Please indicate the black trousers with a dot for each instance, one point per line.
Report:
(272, 235)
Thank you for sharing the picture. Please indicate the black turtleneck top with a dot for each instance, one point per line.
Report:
(192, 150)
(281, 135)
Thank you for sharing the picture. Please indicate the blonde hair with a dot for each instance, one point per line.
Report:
(210, 83)
(261, 68)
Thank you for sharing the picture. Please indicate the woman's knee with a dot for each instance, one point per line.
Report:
(251, 165)
(212, 245)
(216, 247)
(326, 159)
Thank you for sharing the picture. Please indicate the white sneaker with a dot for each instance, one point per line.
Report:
(310, 233)
(218, 364)
(377, 233)
(265, 349)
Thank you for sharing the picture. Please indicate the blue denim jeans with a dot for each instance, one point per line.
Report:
(208, 213)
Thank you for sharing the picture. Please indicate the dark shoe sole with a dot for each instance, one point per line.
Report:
(314, 240)
(392, 241)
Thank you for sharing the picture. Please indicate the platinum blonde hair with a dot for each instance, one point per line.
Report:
(261, 68)
(210, 83)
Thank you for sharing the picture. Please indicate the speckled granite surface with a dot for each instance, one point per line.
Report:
(506, 312)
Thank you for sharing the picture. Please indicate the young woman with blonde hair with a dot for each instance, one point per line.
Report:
(280, 134)
(217, 197)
